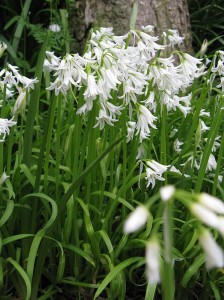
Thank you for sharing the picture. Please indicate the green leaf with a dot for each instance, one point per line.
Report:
(7, 213)
(193, 269)
(134, 13)
(114, 272)
(23, 274)
(80, 252)
(11, 22)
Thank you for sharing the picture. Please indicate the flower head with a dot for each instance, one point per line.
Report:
(136, 219)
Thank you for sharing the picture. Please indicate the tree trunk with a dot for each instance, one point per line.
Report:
(163, 14)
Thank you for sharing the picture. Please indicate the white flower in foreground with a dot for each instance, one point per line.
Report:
(136, 219)
(214, 256)
(154, 170)
(166, 192)
(5, 124)
(3, 178)
(55, 28)
(205, 215)
(3, 46)
(153, 261)
(212, 203)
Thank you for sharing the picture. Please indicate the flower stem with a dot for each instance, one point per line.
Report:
(168, 281)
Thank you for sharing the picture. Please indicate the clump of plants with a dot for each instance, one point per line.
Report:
(94, 148)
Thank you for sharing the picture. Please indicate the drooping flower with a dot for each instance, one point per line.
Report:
(177, 145)
(136, 220)
(55, 27)
(154, 170)
(104, 118)
(153, 261)
(5, 124)
(211, 202)
(3, 178)
(214, 255)
(144, 122)
(3, 46)
(166, 192)
(20, 104)
(205, 215)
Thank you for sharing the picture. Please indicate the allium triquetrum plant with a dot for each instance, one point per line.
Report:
(127, 136)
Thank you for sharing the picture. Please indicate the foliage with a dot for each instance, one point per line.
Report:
(68, 187)
(207, 23)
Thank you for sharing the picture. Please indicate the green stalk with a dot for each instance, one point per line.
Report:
(48, 144)
(168, 282)
(1, 143)
(217, 171)
(208, 148)
(20, 25)
(58, 142)
(32, 110)
(163, 148)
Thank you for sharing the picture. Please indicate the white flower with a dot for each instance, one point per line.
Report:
(55, 27)
(130, 130)
(214, 255)
(51, 62)
(153, 261)
(145, 119)
(3, 178)
(166, 192)
(91, 90)
(212, 164)
(136, 219)
(154, 170)
(205, 215)
(5, 124)
(20, 104)
(3, 46)
(104, 118)
(177, 145)
(212, 203)
(203, 126)
(173, 37)
(189, 67)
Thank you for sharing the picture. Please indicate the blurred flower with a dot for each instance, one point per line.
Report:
(211, 202)
(3, 46)
(153, 261)
(166, 192)
(136, 219)
(55, 27)
(3, 178)
(214, 256)
(205, 215)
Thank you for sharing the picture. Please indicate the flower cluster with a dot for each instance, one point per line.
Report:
(12, 84)
(115, 73)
